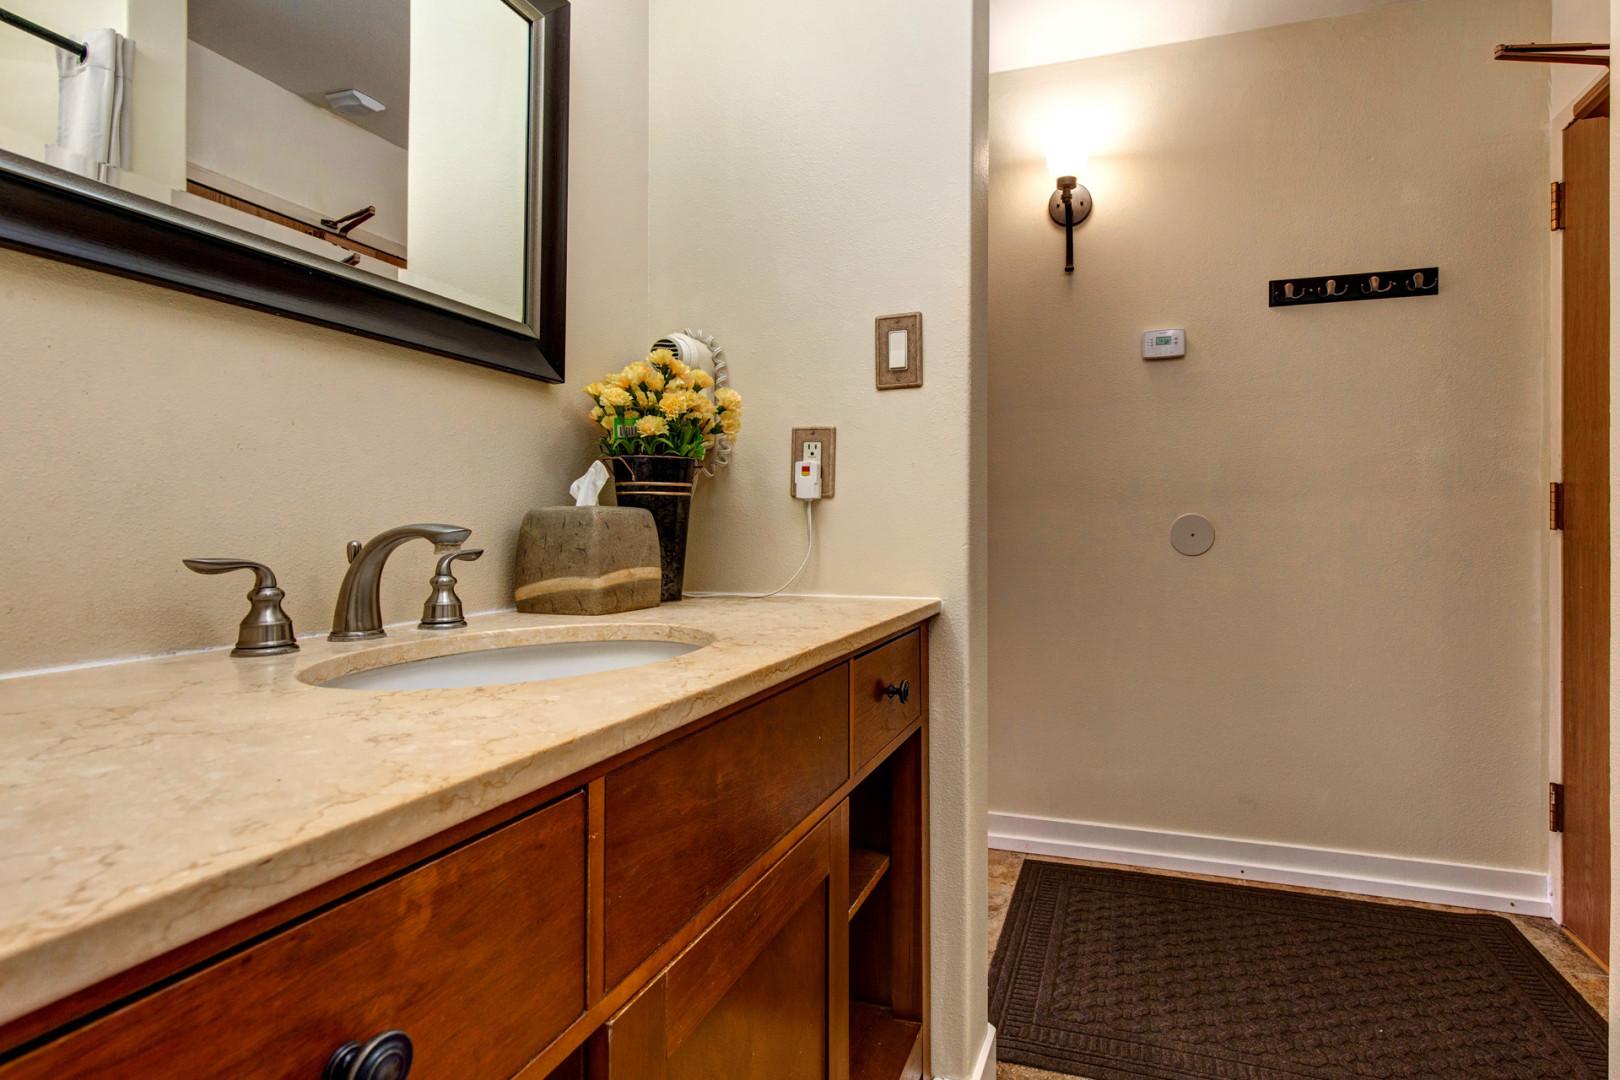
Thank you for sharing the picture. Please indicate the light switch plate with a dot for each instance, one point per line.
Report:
(828, 438)
(899, 351)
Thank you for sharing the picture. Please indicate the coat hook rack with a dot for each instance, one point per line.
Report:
(1343, 288)
(1566, 52)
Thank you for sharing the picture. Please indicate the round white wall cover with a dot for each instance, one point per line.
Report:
(1192, 534)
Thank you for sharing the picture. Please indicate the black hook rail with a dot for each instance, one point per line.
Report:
(28, 26)
(1343, 288)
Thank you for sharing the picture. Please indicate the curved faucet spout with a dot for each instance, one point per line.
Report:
(358, 615)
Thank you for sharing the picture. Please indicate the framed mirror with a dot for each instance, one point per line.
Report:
(393, 168)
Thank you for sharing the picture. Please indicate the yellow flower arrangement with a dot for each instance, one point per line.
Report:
(661, 406)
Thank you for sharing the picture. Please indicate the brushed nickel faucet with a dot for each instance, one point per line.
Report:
(358, 616)
(443, 608)
(266, 631)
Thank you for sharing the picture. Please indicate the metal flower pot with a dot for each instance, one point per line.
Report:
(661, 485)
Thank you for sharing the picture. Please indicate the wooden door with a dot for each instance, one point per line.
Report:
(1586, 535)
(762, 995)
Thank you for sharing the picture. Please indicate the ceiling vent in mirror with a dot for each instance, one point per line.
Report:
(353, 102)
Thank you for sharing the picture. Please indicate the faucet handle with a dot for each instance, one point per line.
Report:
(266, 630)
(443, 608)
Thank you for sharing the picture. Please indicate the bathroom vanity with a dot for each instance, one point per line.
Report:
(712, 866)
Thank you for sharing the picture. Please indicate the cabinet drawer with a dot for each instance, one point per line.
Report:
(478, 956)
(876, 717)
(683, 822)
(756, 995)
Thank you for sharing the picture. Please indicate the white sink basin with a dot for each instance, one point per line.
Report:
(501, 665)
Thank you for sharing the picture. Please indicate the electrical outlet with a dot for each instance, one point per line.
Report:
(815, 444)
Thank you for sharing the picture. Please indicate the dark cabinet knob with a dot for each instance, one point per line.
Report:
(385, 1057)
(903, 691)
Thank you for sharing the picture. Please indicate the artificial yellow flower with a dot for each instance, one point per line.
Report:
(728, 399)
(617, 396)
(595, 389)
(730, 422)
(676, 403)
(661, 358)
(700, 379)
(652, 425)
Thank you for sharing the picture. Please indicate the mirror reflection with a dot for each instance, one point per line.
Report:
(392, 136)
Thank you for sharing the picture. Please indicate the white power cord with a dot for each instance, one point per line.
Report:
(810, 547)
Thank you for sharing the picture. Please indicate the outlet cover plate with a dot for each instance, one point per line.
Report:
(828, 438)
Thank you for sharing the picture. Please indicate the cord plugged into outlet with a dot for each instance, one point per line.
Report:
(820, 446)
(809, 549)
(812, 462)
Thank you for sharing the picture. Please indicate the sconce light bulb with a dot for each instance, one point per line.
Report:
(1067, 160)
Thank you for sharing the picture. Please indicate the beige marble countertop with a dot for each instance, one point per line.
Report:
(143, 805)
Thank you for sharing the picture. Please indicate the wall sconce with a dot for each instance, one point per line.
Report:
(1071, 203)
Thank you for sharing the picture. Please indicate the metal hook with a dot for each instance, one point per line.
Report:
(1417, 283)
(1329, 290)
(1372, 285)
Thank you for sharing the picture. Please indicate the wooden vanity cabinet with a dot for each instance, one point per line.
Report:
(756, 995)
(745, 897)
(695, 815)
(489, 937)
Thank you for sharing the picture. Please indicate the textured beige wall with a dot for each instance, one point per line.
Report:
(1358, 663)
(813, 167)
(144, 425)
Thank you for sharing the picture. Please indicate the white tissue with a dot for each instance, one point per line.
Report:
(587, 488)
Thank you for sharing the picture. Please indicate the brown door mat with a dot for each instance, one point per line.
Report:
(1116, 975)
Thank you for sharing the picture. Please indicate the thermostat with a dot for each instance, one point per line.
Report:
(1164, 344)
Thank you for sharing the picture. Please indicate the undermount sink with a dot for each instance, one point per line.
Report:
(497, 665)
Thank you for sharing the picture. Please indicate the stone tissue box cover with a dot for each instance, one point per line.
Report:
(587, 560)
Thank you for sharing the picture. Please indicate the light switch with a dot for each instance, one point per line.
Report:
(899, 351)
(898, 360)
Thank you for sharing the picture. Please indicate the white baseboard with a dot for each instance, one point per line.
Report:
(984, 1065)
(1522, 892)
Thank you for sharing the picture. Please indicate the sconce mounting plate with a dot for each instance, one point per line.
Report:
(1082, 205)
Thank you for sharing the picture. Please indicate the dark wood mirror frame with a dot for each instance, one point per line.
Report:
(50, 212)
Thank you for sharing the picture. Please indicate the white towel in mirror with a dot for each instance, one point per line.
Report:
(93, 114)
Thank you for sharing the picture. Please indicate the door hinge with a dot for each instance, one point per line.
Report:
(1555, 807)
(1557, 207)
(1555, 506)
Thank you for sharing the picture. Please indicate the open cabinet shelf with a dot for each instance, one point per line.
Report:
(880, 1044)
(886, 920)
(866, 869)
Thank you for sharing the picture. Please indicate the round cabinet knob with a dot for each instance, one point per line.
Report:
(903, 691)
(385, 1057)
